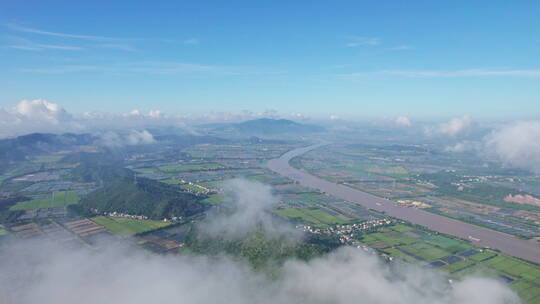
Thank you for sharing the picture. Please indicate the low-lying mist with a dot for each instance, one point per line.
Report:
(250, 209)
(41, 272)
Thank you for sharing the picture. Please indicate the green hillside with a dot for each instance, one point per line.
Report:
(143, 197)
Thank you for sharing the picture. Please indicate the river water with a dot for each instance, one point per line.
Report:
(480, 236)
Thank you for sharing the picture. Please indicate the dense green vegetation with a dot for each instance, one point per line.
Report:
(459, 258)
(214, 199)
(127, 226)
(7, 215)
(143, 197)
(97, 167)
(19, 148)
(261, 251)
(56, 199)
(189, 167)
(311, 215)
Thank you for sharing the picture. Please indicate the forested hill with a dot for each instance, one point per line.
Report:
(18, 148)
(143, 197)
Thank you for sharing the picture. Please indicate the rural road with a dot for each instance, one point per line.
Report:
(483, 237)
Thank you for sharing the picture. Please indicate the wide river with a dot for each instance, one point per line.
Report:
(529, 250)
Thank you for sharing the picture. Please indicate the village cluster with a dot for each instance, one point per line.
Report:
(346, 233)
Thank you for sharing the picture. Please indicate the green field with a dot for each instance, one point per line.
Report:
(475, 270)
(57, 199)
(401, 228)
(426, 251)
(458, 266)
(311, 215)
(190, 167)
(391, 171)
(398, 254)
(527, 291)
(144, 170)
(214, 199)
(515, 268)
(401, 239)
(482, 256)
(127, 226)
(448, 244)
(310, 197)
(391, 239)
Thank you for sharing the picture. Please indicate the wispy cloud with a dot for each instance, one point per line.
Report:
(27, 45)
(191, 41)
(363, 41)
(447, 73)
(61, 69)
(40, 47)
(159, 68)
(402, 47)
(88, 41)
(24, 29)
(462, 73)
(118, 46)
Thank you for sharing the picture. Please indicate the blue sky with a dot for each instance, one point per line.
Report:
(348, 58)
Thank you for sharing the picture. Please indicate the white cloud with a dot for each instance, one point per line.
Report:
(299, 116)
(191, 41)
(39, 272)
(24, 29)
(35, 116)
(464, 146)
(401, 48)
(46, 117)
(135, 112)
(40, 110)
(155, 113)
(140, 138)
(461, 73)
(517, 145)
(363, 41)
(456, 126)
(61, 69)
(469, 73)
(30, 46)
(30, 116)
(117, 139)
(403, 121)
(252, 203)
(334, 117)
(453, 127)
(117, 46)
(158, 68)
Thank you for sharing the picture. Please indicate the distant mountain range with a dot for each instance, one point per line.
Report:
(21, 147)
(18, 148)
(269, 126)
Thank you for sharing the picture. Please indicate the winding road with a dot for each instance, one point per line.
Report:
(484, 237)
